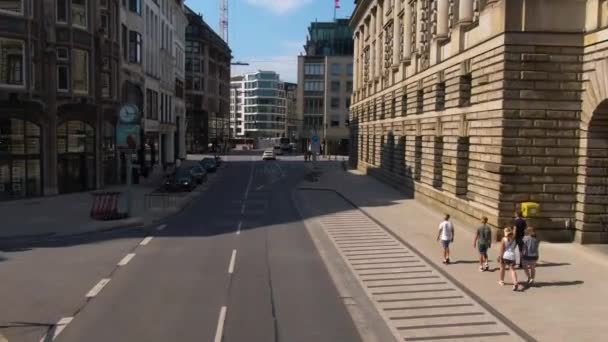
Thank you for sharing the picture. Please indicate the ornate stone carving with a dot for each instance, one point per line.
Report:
(366, 60)
(476, 10)
(388, 49)
(425, 34)
(451, 17)
(413, 6)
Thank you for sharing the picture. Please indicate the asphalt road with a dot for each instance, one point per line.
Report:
(236, 265)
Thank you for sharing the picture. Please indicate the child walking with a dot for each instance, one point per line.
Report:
(483, 241)
(507, 257)
(530, 254)
(446, 234)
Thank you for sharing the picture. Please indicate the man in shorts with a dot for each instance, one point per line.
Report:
(446, 234)
(520, 225)
(483, 241)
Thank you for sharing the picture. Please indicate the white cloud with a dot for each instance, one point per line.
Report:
(285, 66)
(279, 6)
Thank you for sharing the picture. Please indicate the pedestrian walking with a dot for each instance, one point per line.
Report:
(520, 225)
(507, 258)
(446, 235)
(531, 244)
(483, 242)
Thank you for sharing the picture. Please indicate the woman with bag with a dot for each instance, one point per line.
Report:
(506, 257)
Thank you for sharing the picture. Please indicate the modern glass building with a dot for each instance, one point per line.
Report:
(325, 76)
(258, 105)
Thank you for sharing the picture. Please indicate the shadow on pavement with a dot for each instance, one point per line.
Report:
(219, 197)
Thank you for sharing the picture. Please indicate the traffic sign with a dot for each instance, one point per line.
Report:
(315, 139)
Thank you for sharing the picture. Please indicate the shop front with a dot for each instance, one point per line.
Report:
(76, 156)
(20, 159)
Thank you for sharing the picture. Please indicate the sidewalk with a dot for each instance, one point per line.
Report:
(568, 305)
(69, 214)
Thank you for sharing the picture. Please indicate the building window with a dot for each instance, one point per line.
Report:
(12, 62)
(63, 78)
(125, 43)
(404, 105)
(12, 6)
(466, 86)
(20, 174)
(335, 121)
(438, 163)
(135, 47)
(420, 101)
(63, 54)
(105, 24)
(336, 69)
(106, 85)
(418, 158)
(440, 101)
(135, 6)
(314, 86)
(347, 103)
(462, 167)
(314, 69)
(349, 69)
(335, 103)
(62, 11)
(80, 71)
(79, 13)
(335, 86)
(349, 86)
(393, 107)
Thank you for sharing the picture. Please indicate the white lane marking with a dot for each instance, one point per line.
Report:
(146, 241)
(219, 332)
(238, 228)
(250, 180)
(232, 262)
(283, 174)
(57, 329)
(97, 288)
(126, 259)
(161, 227)
(243, 208)
(259, 187)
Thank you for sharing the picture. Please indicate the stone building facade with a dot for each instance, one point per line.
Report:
(208, 60)
(59, 65)
(476, 106)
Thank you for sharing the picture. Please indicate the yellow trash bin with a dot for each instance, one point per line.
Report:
(530, 209)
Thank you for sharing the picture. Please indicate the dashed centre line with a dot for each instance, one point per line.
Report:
(97, 288)
(161, 227)
(57, 329)
(238, 228)
(232, 262)
(146, 241)
(219, 332)
(126, 259)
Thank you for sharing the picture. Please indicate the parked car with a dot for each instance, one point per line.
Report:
(199, 174)
(180, 180)
(268, 155)
(209, 164)
(218, 160)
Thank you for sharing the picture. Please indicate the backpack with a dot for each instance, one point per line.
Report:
(530, 246)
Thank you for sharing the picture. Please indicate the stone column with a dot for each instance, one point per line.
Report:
(407, 32)
(442, 18)
(396, 34)
(372, 39)
(379, 47)
(465, 11)
(356, 62)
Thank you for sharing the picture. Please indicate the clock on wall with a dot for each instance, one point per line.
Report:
(128, 114)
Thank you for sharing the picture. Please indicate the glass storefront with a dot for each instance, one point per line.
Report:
(76, 156)
(20, 159)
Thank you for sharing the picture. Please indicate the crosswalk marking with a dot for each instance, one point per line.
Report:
(420, 303)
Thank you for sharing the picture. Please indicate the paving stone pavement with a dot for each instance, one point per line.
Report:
(417, 301)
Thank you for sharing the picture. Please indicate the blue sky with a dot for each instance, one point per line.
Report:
(269, 34)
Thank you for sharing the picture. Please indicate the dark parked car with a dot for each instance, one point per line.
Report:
(209, 164)
(199, 174)
(180, 180)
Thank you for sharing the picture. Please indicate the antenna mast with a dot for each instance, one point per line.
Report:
(224, 20)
